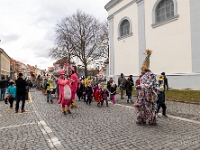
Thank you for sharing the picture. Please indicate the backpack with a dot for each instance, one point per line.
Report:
(67, 92)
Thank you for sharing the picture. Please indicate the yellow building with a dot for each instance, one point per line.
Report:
(4, 64)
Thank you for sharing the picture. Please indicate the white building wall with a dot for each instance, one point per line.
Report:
(171, 42)
(126, 49)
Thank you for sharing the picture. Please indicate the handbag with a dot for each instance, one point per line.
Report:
(9, 96)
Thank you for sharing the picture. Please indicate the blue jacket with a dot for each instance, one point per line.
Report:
(12, 90)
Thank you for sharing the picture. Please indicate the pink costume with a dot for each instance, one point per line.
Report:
(61, 83)
(74, 87)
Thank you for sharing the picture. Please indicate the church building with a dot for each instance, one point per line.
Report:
(170, 28)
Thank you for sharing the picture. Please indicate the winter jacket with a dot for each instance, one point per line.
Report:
(49, 87)
(89, 91)
(108, 85)
(121, 82)
(21, 86)
(3, 84)
(161, 98)
(12, 90)
(128, 87)
(113, 90)
(105, 94)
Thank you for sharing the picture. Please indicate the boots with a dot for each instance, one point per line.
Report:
(74, 103)
(68, 110)
(63, 111)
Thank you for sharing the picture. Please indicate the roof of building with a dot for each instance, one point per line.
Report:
(2, 51)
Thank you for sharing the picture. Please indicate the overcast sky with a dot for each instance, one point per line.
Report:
(27, 26)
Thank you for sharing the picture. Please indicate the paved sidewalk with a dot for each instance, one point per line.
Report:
(91, 128)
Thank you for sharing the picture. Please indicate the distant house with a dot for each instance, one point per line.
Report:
(4, 64)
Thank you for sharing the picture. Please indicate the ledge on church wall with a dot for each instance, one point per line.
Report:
(165, 22)
(125, 36)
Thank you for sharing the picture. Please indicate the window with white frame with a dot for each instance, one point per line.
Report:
(164, 10)
(124, 28)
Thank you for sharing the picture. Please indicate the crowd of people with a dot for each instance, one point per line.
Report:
(150, 91)
(15, 90)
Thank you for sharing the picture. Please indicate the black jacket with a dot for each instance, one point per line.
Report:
(108, 85)
(21, 86)
(128, 87)
(89, 91)
(3, 84)
(161, 98)
(113, 90)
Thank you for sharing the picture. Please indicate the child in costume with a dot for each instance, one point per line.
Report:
(105, 95)
(113, 92)
(98, 94)
(64, 93)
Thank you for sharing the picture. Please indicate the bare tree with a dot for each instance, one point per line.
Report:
(81, 36)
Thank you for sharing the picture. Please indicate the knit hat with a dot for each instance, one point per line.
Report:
(163, 73)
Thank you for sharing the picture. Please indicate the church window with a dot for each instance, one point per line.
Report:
(124, 28)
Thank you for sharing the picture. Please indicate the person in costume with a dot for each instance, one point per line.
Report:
(98, 94)
(146, 105)
(105, 95)
(64, 92)
(74, 86)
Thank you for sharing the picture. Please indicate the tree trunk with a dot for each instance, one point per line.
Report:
(86, 71)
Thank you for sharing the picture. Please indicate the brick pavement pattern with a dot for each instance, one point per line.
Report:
(44, 127)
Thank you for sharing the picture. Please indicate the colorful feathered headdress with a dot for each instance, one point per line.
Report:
(146, 62)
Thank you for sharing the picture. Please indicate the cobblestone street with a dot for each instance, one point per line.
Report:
(44, 127)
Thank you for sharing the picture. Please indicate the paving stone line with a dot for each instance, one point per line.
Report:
(53, 141)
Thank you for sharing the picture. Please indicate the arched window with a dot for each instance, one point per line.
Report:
(164, 10)
(125, 28)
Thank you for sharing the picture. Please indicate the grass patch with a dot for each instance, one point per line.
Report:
(183, 95)
(179, 95)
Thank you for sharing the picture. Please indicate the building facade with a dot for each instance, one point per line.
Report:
(171, 28)
(4, 64)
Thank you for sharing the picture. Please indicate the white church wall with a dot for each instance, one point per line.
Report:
(171, 42)
(126, 49)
